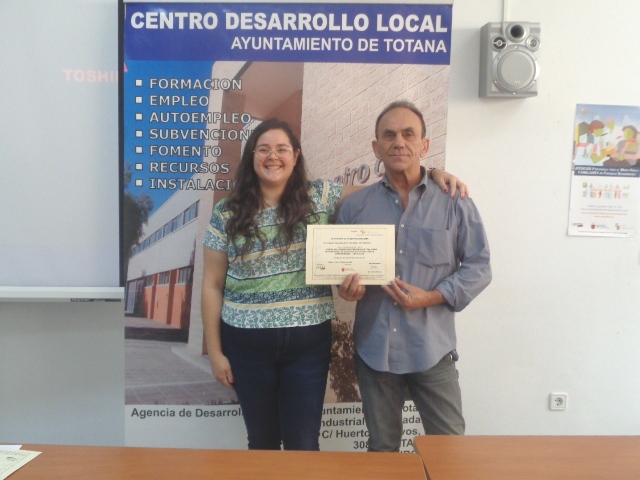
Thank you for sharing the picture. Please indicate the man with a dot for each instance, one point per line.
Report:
(404, 332)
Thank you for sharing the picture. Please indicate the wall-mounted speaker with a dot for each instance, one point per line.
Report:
(509, 59)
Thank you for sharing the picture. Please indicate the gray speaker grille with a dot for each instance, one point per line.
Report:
(516, 70)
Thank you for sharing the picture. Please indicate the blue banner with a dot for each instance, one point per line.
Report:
(350, 33)
(197, 79)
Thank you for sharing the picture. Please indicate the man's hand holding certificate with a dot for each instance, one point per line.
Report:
(336, 251)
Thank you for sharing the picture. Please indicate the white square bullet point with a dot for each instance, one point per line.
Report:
(138, 116)
(139, 133)
(138, 99)
(138, 149)
(138, 83)
(138, 183)
(138, 166)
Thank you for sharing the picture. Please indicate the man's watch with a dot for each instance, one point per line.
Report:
(452, 356)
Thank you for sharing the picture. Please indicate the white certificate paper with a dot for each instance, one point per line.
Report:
(12, 460)
(336, 251)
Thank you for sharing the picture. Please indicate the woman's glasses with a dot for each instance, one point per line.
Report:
(280, 152)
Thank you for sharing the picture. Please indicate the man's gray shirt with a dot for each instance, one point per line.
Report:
(440, 245)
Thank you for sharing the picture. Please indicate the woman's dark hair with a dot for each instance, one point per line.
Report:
(245, 200)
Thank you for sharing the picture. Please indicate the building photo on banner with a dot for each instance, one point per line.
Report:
(197, 79)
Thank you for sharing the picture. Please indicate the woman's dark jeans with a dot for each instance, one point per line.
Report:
(280, 377)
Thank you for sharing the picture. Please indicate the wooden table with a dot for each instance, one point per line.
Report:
(529, 457)
(122, 463)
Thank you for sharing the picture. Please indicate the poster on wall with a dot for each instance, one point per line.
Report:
(606, 171)
(197, 78)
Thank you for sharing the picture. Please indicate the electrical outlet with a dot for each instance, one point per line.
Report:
(558, 401)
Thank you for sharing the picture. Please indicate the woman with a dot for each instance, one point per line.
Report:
(268, 334)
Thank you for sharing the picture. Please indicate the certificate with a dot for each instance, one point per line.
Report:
(336, 251)
(12, 459)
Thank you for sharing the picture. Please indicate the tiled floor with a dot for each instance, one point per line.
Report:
(159, 370)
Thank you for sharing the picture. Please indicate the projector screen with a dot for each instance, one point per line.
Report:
(59, 187)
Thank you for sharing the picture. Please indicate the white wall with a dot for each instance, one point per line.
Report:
(562, 313)
(62, 373)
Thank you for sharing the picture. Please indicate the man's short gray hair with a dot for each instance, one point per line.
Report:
(402, 104)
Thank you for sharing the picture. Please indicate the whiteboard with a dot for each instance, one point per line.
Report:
(59, 187)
